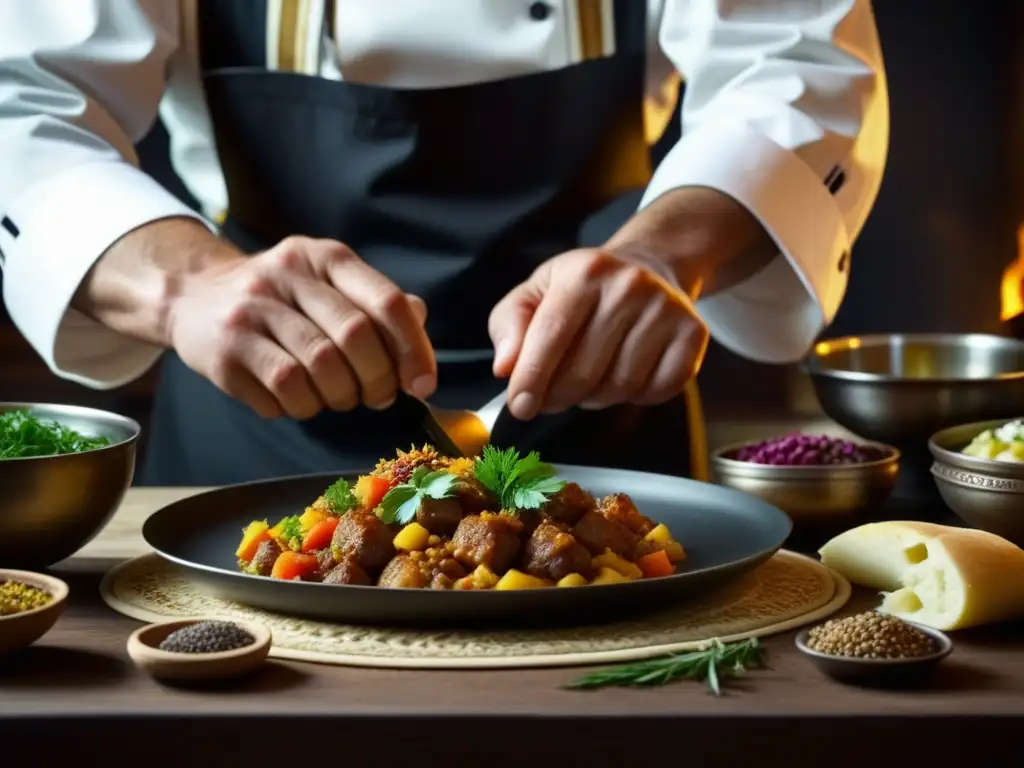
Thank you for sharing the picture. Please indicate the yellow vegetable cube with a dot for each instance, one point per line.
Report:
(412, 538)
(610, 560)
(660, 534)
(609, 576)
(254, 533)
(675, 551)
(484, 578)
(514, 579)
(311, 517)
(572, 580)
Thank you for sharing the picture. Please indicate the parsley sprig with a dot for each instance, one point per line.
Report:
(340, 498)
(23, 435)
(402, 502)
(519, 482)
(714, 665)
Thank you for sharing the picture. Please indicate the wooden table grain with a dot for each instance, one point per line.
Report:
(76, 692)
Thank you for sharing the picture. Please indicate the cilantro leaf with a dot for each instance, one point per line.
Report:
(289, 530)
(340, 497)
(402, 502)
(518, 482)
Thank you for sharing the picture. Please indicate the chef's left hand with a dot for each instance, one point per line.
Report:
(592, 329)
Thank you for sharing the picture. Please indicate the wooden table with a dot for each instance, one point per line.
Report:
(76, 693)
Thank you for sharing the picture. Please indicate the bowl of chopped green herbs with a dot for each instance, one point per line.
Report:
(64, 470)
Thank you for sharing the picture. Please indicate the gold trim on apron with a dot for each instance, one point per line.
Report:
(697, 428)
(595, 27)
(290, 46)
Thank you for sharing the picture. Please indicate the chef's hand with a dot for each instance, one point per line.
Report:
(591, 329)
(304, 326)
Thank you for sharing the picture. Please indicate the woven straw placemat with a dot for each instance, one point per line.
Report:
(788, 591)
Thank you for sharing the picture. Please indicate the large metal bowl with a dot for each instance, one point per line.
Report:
(51, 506)
(985, 493)
(902, 388)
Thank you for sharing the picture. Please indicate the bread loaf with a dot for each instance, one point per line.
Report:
(937, 575)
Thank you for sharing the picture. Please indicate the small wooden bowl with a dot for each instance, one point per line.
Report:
(879, 672)
(143, 647)
(21, 630)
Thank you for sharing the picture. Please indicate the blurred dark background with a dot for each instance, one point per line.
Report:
(933, 252)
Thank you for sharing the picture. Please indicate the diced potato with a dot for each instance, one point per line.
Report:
(610, 560)
(514, 579)
(484, 578)
(609, 576)
(412, 538)
(311, 517)
(572, 580)
(254, 534)
(675, 551)
(659, 534)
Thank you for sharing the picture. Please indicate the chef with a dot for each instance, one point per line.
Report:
(437, 199)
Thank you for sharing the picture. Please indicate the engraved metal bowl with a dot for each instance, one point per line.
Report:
(902, 388)
(825, 499)
(52, 506)
(985, 493)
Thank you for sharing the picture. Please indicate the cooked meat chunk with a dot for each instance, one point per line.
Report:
(569, 505)
(597, 533)
(487, 539)
(552, 553)
(403, 572)
(644, 547)
(530, 518)
(325, 563)
(619, 508)
(265, 557)
(473, 496)
(361, 535)
(348, 572)
(439, 516)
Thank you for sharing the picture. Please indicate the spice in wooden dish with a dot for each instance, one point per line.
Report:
(207, 637)
(870, 635)
(17, 597)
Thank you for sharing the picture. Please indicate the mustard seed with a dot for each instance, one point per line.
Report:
(16, 597)
(870, 635)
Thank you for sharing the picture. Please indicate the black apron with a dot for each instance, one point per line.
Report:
(456, 194)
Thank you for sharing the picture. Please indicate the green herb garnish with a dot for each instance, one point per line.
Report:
(713, 665)
(23, 435)
(290, 531)
(519, 482)
(402, 502)
(340, 498)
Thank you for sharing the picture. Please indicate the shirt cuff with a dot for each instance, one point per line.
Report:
(51, 237)
(775, 316)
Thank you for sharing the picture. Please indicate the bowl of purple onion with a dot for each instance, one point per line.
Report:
(820, 480)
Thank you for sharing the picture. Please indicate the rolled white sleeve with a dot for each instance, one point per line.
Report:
(785, 111)
(80, 83)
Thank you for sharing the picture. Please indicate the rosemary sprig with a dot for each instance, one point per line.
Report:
(715, 664)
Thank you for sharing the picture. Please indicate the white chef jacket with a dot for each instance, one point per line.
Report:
(785, 110)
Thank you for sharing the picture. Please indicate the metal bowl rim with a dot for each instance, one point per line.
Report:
(80, 410)
(813, 366)
(944, 642)
(801, 471)
(974, 464)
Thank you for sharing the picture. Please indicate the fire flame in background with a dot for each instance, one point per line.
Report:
(1011, 299)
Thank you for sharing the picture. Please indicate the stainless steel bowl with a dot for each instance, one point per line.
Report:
(51, 506)
(985, 493)
(826, 497)
(902, 388)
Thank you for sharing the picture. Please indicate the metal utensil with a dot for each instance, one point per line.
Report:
(902, 388)
(456, 432)
(984, 493)
(51, 506)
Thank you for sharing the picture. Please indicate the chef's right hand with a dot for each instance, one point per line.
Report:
(304, 326)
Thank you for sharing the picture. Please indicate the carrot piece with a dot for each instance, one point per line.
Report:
(371, 490)
(293, 565)
(656, 564)
(320, 535)
(254, 534)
